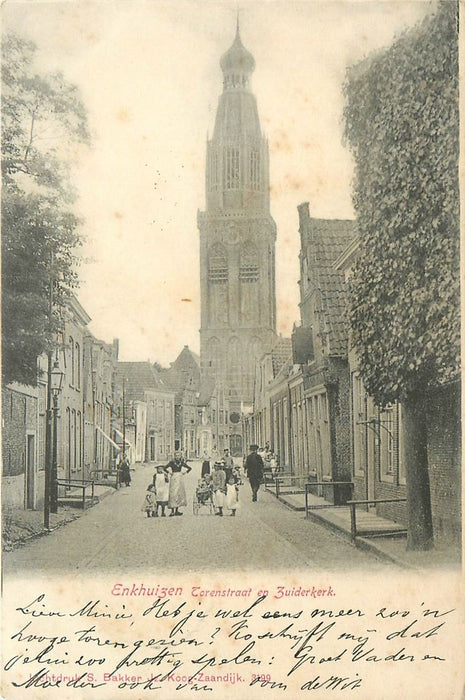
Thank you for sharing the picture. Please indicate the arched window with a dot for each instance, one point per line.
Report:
(213, 170)
(234, 362)
(78, 365)
(78, 441)
(254, 170)
(217, 264)
(69, 433)
(232, 174)
(71, 347)
(218, 284)
(249, 275)
(213, 355)
(249, 270)
(73, 440)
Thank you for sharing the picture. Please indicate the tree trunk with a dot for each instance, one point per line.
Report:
(420, 523)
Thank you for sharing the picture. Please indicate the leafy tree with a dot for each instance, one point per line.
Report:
(41, 116)
(402, 124)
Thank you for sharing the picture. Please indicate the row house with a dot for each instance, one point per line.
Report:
(204, 422)
(303, 411)
(100, 448)
(268, 424)
(320, 404)
(183, 378)
(214, 425)
(84, 406)
(148, 412)
(378, 466)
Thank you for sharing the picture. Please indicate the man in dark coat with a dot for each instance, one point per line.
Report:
(254, 469)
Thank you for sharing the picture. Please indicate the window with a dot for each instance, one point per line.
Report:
(218, 275)
(218, 266)
(389, 464)
(254, 173)
(360, 419)
(71, 346)
(213, 175)
(249, 273)
(78, 365)
(232, 171)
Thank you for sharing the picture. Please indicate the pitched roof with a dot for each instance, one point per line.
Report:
(184, 373)
(280, 353)
(323, 241)
(140, 377)
(207, 387)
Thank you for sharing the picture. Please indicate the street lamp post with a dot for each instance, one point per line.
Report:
(56, 376)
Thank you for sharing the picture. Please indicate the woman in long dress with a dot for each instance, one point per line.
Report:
(177, 496)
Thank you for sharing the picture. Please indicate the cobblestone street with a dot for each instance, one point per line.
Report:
(115, 535)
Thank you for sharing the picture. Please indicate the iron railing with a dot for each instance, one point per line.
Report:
(367, 533)
(317, 506)
(76, 484)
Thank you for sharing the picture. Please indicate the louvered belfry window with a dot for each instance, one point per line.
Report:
(254, 174)
(249, 273)
(232, 169)
(218, 266)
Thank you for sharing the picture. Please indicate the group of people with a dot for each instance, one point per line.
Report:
(167, 489)
(219, 487)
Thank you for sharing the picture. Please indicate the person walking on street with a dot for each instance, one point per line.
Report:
(124, 471)
(254, 469)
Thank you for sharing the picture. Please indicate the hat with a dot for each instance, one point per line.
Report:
(254, 447)
(218, 464)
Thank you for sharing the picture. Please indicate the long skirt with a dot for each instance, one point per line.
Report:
(218, 498)
(177, 491)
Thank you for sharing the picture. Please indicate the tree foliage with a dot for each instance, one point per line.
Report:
(41, 116)
(402, 124)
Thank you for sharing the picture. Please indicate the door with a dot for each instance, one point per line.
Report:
(236, 445)
(30, 471)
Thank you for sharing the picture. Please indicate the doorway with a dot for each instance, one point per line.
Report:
(30, 471)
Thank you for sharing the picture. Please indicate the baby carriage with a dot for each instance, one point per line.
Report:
(203, 499)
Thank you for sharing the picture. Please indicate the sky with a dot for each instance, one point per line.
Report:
(149, 76)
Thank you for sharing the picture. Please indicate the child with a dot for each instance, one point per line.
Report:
(237, 475)
(219, 487)
(149, 504)
(232, 495)
(203, 491)
(162, 489)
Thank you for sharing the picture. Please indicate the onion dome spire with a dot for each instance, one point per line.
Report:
(237, 64)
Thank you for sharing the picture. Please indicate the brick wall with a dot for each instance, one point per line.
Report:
(19, 412)
(20, 418)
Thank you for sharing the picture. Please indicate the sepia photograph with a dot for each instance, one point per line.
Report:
(231, 348)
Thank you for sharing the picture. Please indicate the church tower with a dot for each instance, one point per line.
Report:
(237, 238)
